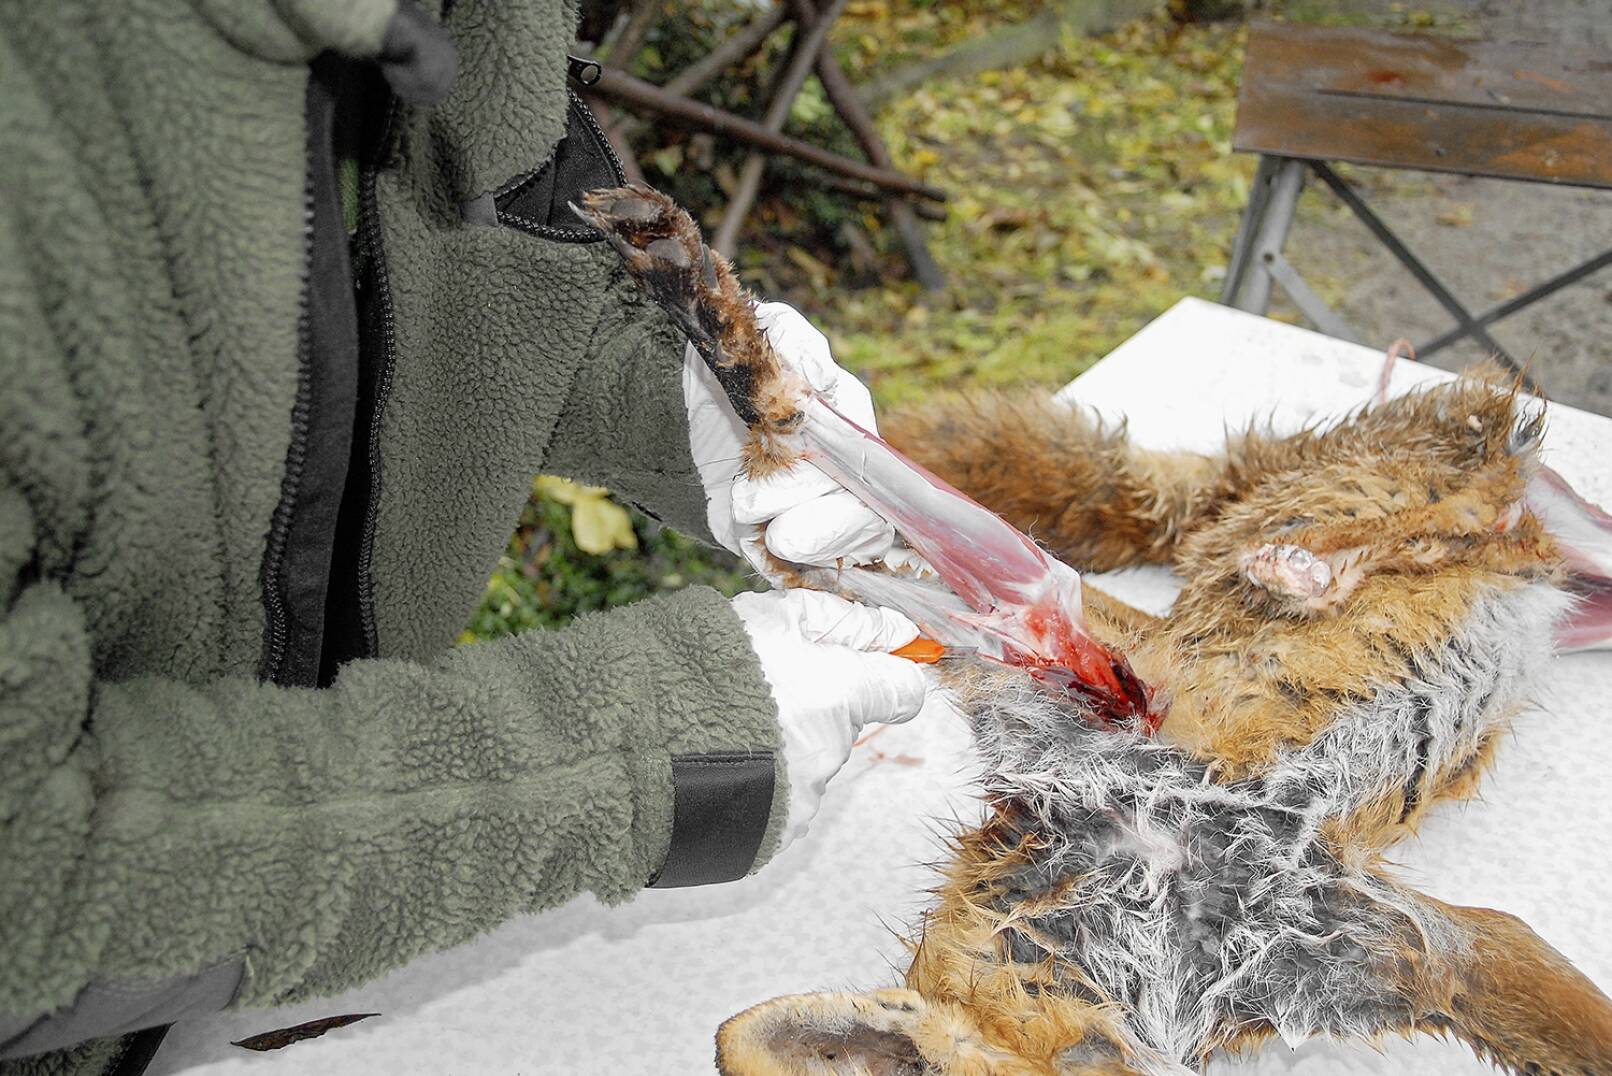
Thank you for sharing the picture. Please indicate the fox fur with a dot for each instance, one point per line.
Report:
(1133, 905)
(1365, 608)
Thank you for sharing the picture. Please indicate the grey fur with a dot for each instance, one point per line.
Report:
(1200, 907)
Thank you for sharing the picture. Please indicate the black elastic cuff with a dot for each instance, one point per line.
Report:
(720, 808)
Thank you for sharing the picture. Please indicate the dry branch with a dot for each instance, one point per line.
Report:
(733, 49)
(619, 86)
(809, 44)
(903, 217)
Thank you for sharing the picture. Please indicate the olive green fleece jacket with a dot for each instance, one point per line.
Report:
(164, 810)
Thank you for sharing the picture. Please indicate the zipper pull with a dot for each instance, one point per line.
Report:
(585, 71)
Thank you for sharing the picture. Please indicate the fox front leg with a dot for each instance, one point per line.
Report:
(664, 253)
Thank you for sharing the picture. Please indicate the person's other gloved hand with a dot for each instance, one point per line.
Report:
(827, 661)
(810, 519)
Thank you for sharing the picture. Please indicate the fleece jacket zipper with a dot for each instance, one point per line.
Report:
(365, 125)
(382, 337)
(276, 630)
(600, 140)
(302, 533)
(583, 149)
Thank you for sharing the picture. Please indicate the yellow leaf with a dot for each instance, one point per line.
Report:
(814, 268)
(562, 490)
(599, 525)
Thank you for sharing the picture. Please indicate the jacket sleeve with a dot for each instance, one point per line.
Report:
(153, 831)
(624, 425)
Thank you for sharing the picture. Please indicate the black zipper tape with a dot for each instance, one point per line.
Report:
(296, 574)
(272, 576)
(369, 230)
(581, 125)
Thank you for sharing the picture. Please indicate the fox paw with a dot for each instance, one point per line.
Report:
(1287, 571)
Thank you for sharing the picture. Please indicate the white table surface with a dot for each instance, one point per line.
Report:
(640, 989)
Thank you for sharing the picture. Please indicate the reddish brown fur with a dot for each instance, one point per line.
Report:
(664, 251)
(963, 959)
(1415, 509)
(1396, 492)
(1416, 501)
(1079, 488)
(1516, 1000)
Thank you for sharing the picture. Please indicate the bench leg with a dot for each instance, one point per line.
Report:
(1526, 299)
(1464, 321)
(1271, 203)
(1257, 260)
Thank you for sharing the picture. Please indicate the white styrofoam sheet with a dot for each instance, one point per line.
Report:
(640, 989)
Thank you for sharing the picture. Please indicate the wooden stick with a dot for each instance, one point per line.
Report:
(619, 86)
(812, 36)
(869, 193)
(732, 50)
(837, 88)
(627, 43)
(736, 47)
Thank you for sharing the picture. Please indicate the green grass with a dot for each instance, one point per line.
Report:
(1090, 190)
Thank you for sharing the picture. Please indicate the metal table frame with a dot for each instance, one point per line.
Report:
(1257, 261)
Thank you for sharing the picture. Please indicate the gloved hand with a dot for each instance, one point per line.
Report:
(812, 520)
(827, 662)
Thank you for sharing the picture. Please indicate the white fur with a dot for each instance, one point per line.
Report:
(1204, 904)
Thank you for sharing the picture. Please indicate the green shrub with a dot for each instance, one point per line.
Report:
(545, 578)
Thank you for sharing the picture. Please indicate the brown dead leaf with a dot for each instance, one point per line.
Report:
(285, 1036)
(1544, 80)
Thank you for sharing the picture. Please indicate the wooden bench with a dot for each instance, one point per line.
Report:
(1314, 95)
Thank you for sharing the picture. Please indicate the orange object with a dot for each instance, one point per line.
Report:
(923, 651)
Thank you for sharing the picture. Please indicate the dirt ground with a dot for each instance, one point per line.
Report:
(1488, 240)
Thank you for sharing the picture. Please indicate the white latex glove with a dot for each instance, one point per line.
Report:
(826, 661)
(810, 519)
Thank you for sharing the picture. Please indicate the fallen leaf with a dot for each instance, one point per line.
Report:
(819, 272)
(668, 159)
(600, 525)
(1457, 216)
(285, 1036)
